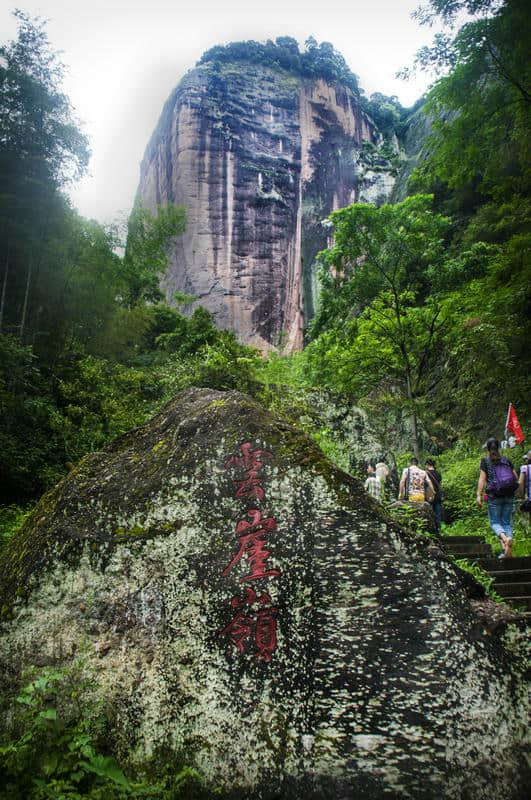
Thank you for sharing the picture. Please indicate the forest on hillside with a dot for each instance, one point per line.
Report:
(424, 307)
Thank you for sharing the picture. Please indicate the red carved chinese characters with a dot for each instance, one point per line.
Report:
(252, 544)
(266, 632)
(240, 628)
(251, 461)
(255, 618)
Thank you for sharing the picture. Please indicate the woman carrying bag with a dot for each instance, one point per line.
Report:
(498, 479)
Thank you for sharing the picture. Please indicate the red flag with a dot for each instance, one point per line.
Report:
(513, 426)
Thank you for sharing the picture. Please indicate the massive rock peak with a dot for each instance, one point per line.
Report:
(248, 607)
(259, 157)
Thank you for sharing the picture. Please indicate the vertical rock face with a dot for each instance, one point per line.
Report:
(258, 157)
(249, 608)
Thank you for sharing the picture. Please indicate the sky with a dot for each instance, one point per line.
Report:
(124, 57)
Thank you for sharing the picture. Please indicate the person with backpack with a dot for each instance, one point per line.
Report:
(498, 480)
(524, 484)
(436, 503)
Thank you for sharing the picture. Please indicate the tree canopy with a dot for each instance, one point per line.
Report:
(458, 278)
(87, 347)
(316, 60)
(380, 318)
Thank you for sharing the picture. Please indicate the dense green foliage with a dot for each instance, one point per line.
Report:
(388, 113)
(427, 304)
(382, 319)
(479, 170)
(316, 60)
(87, 347)
(57, 748)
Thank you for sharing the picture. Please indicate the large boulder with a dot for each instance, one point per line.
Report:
(249, 608)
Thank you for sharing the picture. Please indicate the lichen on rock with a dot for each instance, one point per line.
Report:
(247, 606)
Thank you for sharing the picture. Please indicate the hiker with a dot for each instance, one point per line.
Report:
(415, 485)
(498, 480)
(373, 484)
(382, 471)
(524, 490)
(436, 503)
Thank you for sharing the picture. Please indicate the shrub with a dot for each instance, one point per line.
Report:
(11, 520)
(52, 748)
(481, 576)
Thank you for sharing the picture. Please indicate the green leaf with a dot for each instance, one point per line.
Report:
(49, 765)
(46, 789)
(49, 713)
(24, 699)
(105, 767)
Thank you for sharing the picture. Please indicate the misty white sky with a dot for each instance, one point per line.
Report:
(125, 56)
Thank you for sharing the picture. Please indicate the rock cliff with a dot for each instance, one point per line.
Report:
(259, 157)
(248, 608)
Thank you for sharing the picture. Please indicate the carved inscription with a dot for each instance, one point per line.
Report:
(253, 627)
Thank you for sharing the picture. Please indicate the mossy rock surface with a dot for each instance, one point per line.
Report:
(323, 652)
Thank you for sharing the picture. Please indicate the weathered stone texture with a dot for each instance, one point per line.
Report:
(258, 157)
(384, 680)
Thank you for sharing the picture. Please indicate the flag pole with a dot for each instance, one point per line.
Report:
(507, 422)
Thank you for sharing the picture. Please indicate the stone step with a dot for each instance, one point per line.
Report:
(521, 603)
(461, 547)
(505, 564)
(461, 540)
(510, 575)
(470, 554)
(508, 590)
(475, 557)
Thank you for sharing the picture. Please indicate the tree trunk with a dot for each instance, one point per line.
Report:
(407, 368)
(4, 287)
(416, 448)
(26, 295)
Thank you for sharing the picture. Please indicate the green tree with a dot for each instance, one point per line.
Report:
(41, 148)
(37, 126)
(479, 167)
(398, 247)
(481, 109)
(146, 254)
(31, 455)
(78, 323)
(378, 307)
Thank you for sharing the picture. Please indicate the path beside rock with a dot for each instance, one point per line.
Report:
(512, 576)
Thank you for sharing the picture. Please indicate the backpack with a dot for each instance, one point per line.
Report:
(502, 483)
(437, 493)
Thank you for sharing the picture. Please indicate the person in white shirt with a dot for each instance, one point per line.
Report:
(373, 484)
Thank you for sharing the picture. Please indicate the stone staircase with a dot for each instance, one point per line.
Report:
(512, 576)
